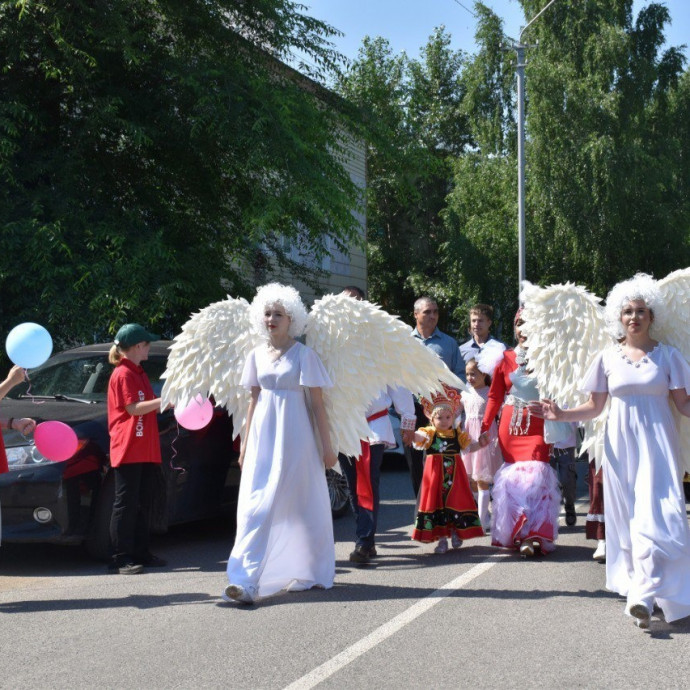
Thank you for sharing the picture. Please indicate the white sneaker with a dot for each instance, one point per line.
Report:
(442, 546)
(455, 541)
(641, 615)
(244, 595)
(600, 552)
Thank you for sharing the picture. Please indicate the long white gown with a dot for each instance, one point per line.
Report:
(284, 534)
(647, 534)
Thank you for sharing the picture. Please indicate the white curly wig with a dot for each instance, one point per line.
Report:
(640, 287)
(288, 298)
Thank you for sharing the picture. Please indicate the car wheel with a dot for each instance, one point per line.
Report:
(338, 492)
(98, 539)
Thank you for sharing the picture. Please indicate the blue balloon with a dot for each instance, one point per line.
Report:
(29, 345)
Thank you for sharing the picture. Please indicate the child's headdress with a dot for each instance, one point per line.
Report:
(449, 399)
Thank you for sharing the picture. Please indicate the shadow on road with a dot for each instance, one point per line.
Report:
(137, 601)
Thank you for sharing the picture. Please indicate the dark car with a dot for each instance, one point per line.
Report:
(70, 502)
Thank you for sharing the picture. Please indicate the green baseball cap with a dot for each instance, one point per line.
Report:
(132, 333)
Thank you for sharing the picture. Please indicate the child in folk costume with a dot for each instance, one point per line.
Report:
(484, 463)
(446, 506)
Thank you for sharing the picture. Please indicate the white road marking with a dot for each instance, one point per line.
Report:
(321, 673)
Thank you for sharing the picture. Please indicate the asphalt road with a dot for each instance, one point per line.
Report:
(476, 617)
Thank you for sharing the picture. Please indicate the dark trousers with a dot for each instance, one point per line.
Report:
(563, 461)
(415, 458)
(129, 523)
(366, 520)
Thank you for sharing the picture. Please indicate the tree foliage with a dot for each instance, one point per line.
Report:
(412, 110)
(604, 202)
(153, 151)
(607, 164)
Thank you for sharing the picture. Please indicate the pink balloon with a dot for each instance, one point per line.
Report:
(55, 441)
(196, 415)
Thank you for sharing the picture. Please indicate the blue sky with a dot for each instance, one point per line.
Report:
(408, 23)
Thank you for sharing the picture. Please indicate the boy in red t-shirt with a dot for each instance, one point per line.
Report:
(135, 453)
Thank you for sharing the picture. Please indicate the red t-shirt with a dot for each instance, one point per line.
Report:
(3, 457)
(132, 438)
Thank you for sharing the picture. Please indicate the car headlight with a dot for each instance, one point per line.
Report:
(21, 457)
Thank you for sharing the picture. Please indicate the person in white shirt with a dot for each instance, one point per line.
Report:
(363, 474)
(481, 318)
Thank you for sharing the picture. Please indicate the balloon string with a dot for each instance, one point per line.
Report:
(174, 455)
(28, 390)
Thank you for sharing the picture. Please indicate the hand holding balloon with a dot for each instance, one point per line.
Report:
(24, 425)
(16, 376)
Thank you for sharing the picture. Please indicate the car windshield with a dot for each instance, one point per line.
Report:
(80, 376)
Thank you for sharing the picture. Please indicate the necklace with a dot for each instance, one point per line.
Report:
(520, 356)
(642, 360)
(278, 352)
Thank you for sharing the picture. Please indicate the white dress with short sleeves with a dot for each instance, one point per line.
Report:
(647, 534)
(483, 464)
(284, 534)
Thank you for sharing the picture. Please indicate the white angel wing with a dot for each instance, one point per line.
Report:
(208, 356)
(489, 356)
(364, 349)
(672, 325)
(565, 329)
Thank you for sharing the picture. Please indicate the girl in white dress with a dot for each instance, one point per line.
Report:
(484, 463)
(284, 536)
(647, 535)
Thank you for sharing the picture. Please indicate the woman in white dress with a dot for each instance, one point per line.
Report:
(284, 534)
(647, 535)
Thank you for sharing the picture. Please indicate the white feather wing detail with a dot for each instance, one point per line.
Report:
(672, 326)
(565, 329)
(489, 356)
(364, 349)
(208, 357)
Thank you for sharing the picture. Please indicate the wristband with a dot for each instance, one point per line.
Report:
(9, 423)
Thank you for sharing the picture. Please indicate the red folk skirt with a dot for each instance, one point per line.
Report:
(446, 503)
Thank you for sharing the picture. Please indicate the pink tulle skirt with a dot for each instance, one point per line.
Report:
(526, 505)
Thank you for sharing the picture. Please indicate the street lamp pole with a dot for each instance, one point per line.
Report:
(519, 48)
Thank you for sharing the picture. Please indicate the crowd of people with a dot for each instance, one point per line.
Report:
(515, 467)
(484, 460)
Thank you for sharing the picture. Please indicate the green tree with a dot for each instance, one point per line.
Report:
(603, 196)
(150, 151)
(607, 164)
(415, 126)
(480, 213)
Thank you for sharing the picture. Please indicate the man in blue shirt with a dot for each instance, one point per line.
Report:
(446, 347)
(481, 316)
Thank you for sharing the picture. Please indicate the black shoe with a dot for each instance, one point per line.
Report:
(373, 552)
(570, 516)
(130, 568)
(361, 554)
(151, 561)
